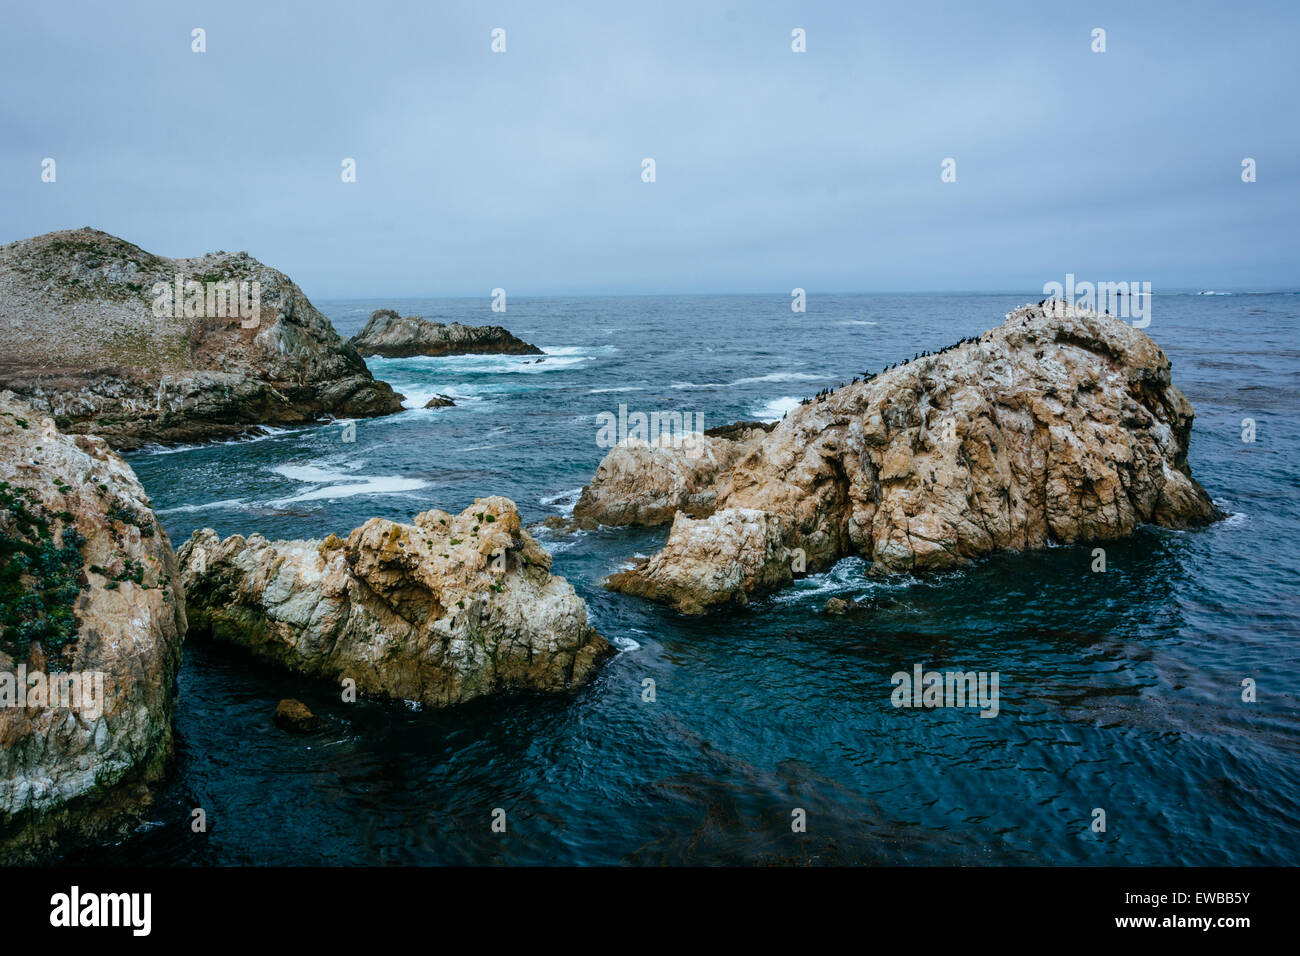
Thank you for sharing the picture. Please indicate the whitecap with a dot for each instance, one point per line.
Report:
(332, 484)
(211, 505)
(565, 500)
(776, 409)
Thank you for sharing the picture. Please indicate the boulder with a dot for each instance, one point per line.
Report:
(295, 717)
(441, 611)
(647, 484)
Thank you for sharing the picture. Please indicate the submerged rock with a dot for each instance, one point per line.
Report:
(392, 336)
(80, 340)
(295, 716)
(839, 606)
(440, 611)
(91, 622)
(1049, 429)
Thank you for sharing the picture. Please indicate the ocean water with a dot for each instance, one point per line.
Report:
(1119, 691)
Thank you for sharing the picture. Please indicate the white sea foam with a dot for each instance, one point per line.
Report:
(331, 484)
(775, 410)
(771, 377)
(268, 431)
(565, 500)
(230, 503)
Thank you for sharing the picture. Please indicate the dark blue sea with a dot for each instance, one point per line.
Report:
(1120, 691)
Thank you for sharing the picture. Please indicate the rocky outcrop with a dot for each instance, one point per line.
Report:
(295, 717)
(92, 334)
(440, 611)
(1052, 428)
(91, 622)
(647, 484)
(392, 336)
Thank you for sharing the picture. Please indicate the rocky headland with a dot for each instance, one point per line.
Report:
(96, 333)
(446, 609)
(389, 335)
(1055, 427)
(92, 617)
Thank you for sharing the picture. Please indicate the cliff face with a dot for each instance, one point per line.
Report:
(441, 611)
(89, 588)
(1047, 429)
(80, 339)
(392, 336)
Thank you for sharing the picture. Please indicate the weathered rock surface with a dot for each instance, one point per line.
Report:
(639, 483)
(440, 611)
(80, 341)
(88, 585)
(392, 336)
(295, 717)
(440, 401)
(1047, 429)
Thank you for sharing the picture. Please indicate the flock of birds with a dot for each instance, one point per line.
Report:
(868, 376)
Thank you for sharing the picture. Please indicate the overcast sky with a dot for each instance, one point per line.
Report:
(774, 169)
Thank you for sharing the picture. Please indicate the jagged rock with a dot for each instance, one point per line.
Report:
(295, 716)
(88, 586)
(392, 336)
(79, 339)
(1049, 429)
(439, 401)
(838, 606)
(639, 483)
(440, 611)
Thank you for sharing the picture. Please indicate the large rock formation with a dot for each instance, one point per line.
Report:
(441, 611)
(392, 336)
(80, 339)
(1052, 428)
(89, 589)
(643, 483)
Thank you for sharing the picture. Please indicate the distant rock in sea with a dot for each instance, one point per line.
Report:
(1052, 428)
(96, 332)
(439, 401)
(441, 611)
(391, 336)
(90, 594)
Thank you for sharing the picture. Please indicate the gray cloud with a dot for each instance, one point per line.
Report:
(775, 169)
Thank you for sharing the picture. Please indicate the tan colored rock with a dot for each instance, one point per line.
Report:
(89, 587)
(644, 484)
(295, 716)
(439, 611)
(1048, 429)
